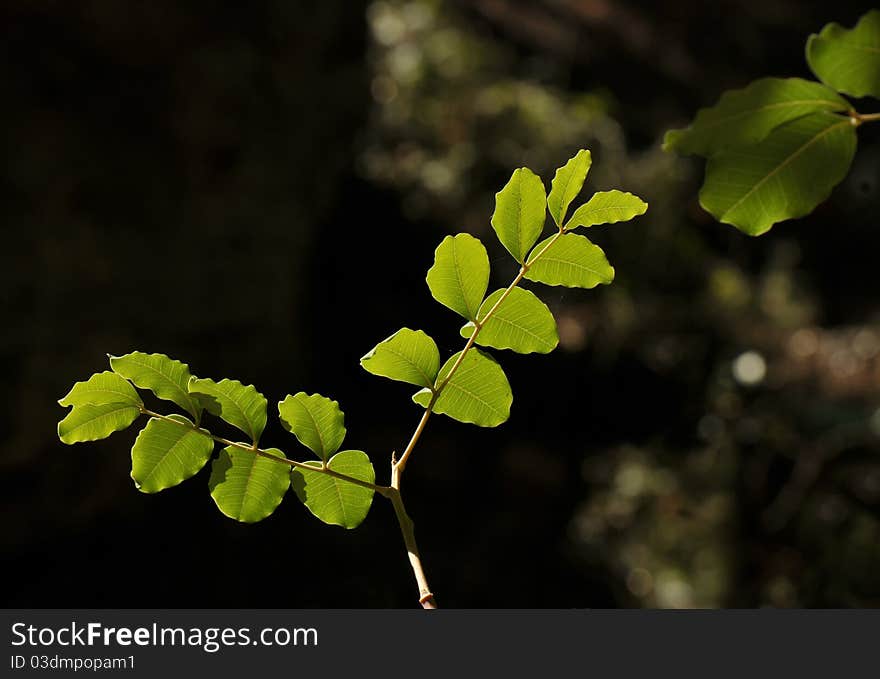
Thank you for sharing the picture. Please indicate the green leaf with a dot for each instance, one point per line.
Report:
(520, 211)
(567, 184)
(165, 454)
(571, 260)
(101, 388)
(785, 176)
(848, 60)
(248, 487)
(748, 115)
(478, 392)
(164, 376)
(460, 274)
(315, 420)
(240, 405)
(607, 207)
(332, 500)
(522, 322)
(89, 422)
(407, 356)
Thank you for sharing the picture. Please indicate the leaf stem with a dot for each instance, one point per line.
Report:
(426, 598)
(253, 449)
(859, 118)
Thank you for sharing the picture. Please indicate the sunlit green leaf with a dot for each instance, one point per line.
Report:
(520, 211)
(167, 453)
(101, 388)
(460, 274)
(522, 322)
(784, 176)
(570, 260)
(607, 207)
(848, 60)
(240, 405)
(478, 392)
(407, 356)
(332, 500)
(567, 184)
(748, 115)
(315, 420)
(89, 422)
(248, 487)
(164, 376)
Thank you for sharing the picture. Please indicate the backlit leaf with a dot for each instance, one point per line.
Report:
(607, 207)
(101, 388)
(567, 184)
(332, 500)
(478, 392)
(570, 260)
(164, 376)
(89, 422)
(315, 420)
(520, 211)
(248, 487)
(240, 405)
(460, 274)
(407, 356)
(522, 322)
(784, 176)
(165, 453)
(748, 115)
(848, 60)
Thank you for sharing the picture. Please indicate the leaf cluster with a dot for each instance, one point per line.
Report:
(777, 147)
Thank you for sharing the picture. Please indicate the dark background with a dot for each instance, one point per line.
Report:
(257, 189)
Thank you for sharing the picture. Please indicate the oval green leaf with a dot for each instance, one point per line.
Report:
(89, 422)
(522, 323)
(785, 176)
(520, 211)
(607, 207)
(848, 60)
(101, 388)
(167, 453)
(460, 274)
(333, 500)
(570, 260)
(248, 487)
(165, 377)
(567, 184)
(316, 421)
(407, 356)
(748, 115)
(478, 392)
(240, 405)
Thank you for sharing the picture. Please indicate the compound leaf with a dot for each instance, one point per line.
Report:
(88, 422)
(248, 487)
(522, 322)
(848, 60)
(785, 176)
(315, 420)
(520, 211)
(240, 405)
(460, 274)
(333, 500)
(567, 184)
(478, 392)
(165, 377)
(748, 115)
(570, 260)
(607, 207)
(167, 453)
(407, 356)
(101, 388)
